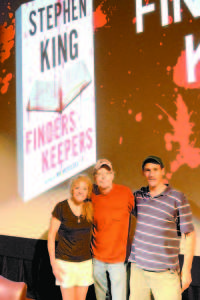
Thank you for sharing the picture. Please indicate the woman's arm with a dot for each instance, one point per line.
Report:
(54, 226)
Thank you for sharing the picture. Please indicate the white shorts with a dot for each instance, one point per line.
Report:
(76, 273)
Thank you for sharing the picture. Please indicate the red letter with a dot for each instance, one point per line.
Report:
(60, 160)
(67, 148)
(74, 145)
(49, 134)
(64, 125)
(41, 136)
(35, 138)
(82, 142)
(57, 128)
(28, 141)
(52, 157)
(88, 134)
(45, 166)
(72, 121)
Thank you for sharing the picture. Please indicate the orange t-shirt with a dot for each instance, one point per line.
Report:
(111, 223)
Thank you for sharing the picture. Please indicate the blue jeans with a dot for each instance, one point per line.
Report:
(117, 275)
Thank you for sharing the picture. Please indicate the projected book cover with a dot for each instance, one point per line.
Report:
(56, 135)
(57, 95)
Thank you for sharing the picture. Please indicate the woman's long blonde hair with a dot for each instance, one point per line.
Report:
(87, 210)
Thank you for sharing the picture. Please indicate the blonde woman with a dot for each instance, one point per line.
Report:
(71, 224)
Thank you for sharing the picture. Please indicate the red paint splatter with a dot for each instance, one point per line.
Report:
(188, 154)
(160, 117)
(169, 68)
(100, 18)
(170, 20)
(124, 100)
(7, 36)
(134, 20)
(138, 117)
(180, 73)
(120, 140)
(161, 43)
(169, 175)
(129, 72)
(5, 82)
(7, 33)
(130, 111)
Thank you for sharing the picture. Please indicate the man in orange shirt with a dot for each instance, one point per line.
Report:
(112, 205)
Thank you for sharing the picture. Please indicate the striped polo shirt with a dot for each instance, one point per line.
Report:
(160, 222)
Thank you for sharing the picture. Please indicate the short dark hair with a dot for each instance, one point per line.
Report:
(154, 160)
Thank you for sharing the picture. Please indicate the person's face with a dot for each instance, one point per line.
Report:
(104, 178)
(80, 191)
(153, 174)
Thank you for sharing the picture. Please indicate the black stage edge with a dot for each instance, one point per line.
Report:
(23, 259)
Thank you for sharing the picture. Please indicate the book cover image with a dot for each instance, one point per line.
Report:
(56, 127)
(57, 95)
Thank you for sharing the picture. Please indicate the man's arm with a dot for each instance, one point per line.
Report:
(190, 241)
(132, 204)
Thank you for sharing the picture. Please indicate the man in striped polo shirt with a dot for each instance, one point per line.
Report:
(163, 214)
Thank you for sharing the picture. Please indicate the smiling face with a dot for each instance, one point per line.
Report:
(104, 179)
(80, 191)
(154, 175)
